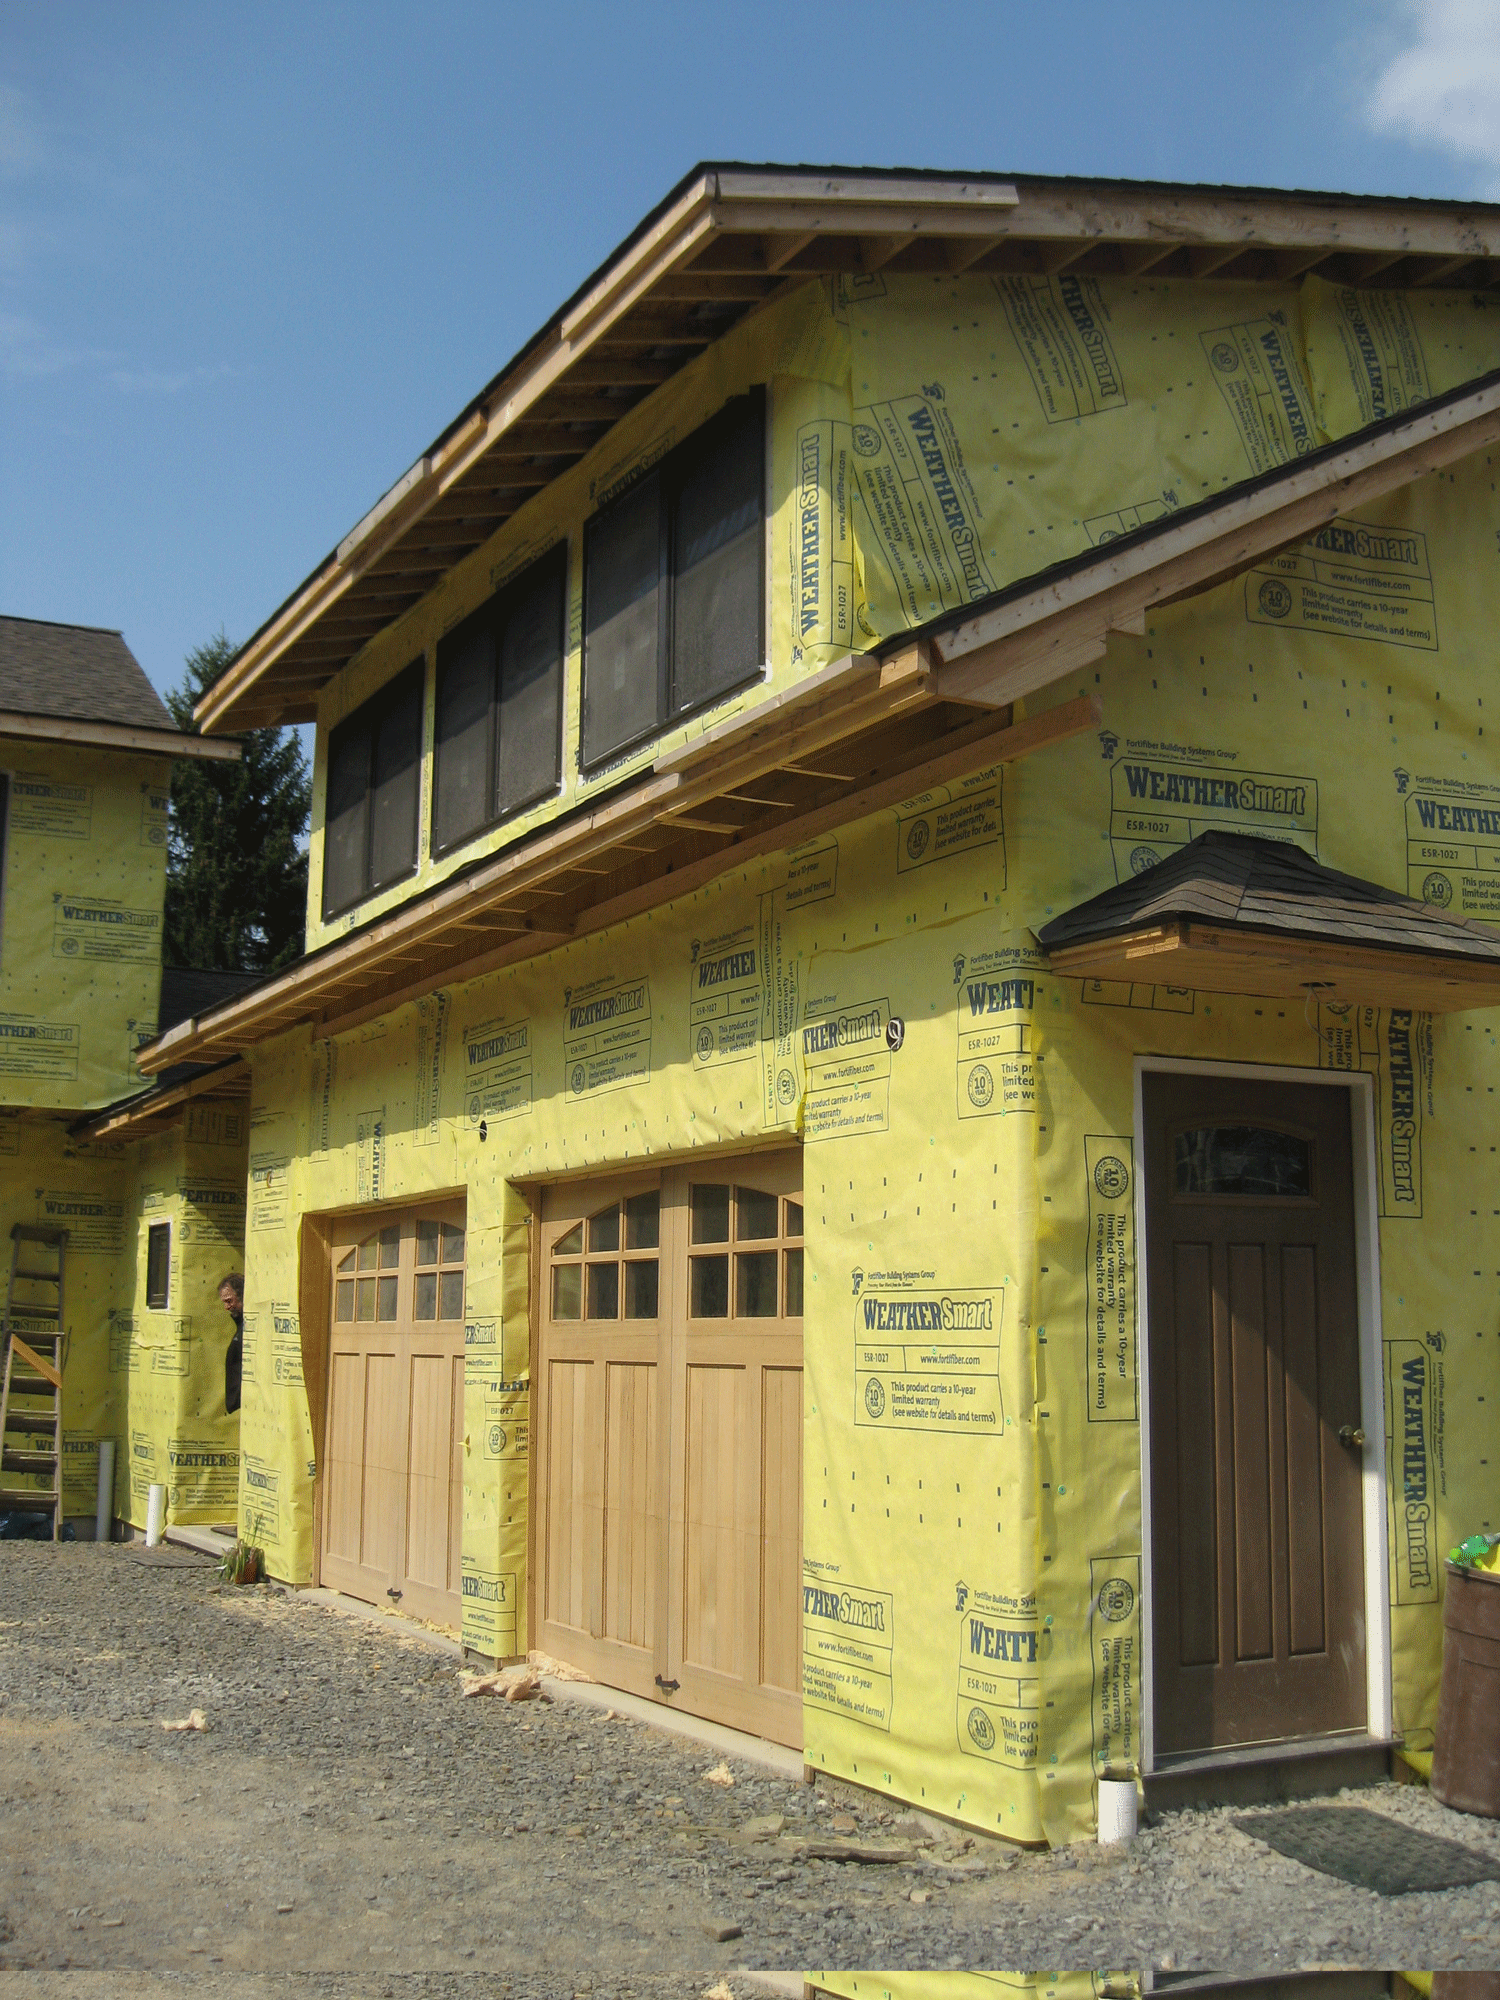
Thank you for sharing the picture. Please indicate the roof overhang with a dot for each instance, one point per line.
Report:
(728, 239)
(81, 735)
(1216, 958)
(163, 1103)
(1231, 913)
(856, 738)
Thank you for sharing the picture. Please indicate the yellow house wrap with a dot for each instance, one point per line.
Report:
(972, 1459)
(85, 749)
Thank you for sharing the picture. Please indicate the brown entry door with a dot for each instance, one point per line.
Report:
(669, 1503)
(1257, 1558)
(393, 1494)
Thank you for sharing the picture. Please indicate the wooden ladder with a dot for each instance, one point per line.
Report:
(31, 1386)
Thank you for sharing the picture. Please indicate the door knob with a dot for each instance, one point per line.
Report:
(1351, 1435)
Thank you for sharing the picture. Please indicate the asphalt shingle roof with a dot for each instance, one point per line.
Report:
(1269, 886)
(82, 673)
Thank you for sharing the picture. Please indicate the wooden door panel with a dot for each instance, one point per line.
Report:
(715, 1531)
(781, 1529)
(346, 1424)
(1249, 1338)
(1306, 1598)
(1187, 1403)
(429, 1469)
(632, 1506)
(1258, 1541)
(380, 1500)
(454, 1581)
(570, 1507)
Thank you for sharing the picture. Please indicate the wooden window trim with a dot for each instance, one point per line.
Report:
(493, 615)
(370, 713)
(672, 471)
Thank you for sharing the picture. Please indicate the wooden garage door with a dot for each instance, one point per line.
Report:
(393, 1500)
(669, 1409)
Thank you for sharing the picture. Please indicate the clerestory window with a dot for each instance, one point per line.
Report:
(374, 779)
(499, 704)
(674, 595)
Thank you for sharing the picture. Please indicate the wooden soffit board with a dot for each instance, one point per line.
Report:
(1214, 958)
(727, 241)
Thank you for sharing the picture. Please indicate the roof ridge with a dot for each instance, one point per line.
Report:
(60, 624)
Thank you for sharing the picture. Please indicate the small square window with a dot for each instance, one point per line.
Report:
(158, 1265)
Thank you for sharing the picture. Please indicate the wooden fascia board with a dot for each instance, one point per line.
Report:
(1013, 649)
(295, 997)
(118, 736)
(1218, 958)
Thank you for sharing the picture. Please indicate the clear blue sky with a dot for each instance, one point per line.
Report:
(253, 259)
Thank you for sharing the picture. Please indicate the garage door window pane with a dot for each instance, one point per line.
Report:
(451, 1295)
(386, 1299)
(603, 1291)
(755, 1285)
(567, 1291)
(397, 763)
(710, 1214)
(529, 747)
(424, 1296)
(641, 1287)
(717, 563)
(465, 695)
(622, 637)
(708, 1287)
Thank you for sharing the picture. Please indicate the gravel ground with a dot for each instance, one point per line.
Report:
(351, 1825)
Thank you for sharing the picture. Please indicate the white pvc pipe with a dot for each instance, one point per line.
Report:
(156, 1515)
(104, 1506)
(1117, 1810)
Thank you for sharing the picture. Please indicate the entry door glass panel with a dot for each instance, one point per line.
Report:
(1257, 1557)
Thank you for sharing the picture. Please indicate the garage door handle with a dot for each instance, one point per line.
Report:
(667, 1687)
(1351, 1435)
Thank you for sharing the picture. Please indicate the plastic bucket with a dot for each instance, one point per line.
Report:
(1117, 1810)
(1466, 1749)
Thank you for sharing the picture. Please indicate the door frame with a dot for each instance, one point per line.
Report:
(1360, 1087)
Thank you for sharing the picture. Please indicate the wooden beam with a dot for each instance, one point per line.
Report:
(117, 736)
(1205, 259)
(779, 247)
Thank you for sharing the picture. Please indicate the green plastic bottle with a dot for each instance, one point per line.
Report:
(1472, 1551)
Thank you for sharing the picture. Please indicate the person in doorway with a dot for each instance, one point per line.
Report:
(232, 1299)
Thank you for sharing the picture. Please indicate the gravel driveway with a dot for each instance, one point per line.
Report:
(351, 1819)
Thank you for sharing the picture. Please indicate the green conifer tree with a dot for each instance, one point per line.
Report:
(236, 847)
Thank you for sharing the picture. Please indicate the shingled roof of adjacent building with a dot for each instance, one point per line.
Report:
(85, 673)
(1271, 887)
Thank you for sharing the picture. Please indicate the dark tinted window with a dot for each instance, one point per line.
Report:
(622, 621)
(374, 778)
(674, 584)
(717, 581)
(158, 1265)
(1253, 1160)
(499, 704)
